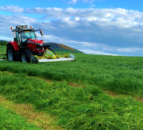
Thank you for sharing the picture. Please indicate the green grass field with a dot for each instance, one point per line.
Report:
(9, 120)
(75, 108)
(2, 49)
(79, 108)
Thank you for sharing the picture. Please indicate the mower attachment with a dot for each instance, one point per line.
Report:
(49, 56)
(2, 59)
(70, 58)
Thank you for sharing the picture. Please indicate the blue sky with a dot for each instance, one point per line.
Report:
(102, 27)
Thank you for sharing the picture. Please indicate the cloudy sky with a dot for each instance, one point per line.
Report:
(102, 27)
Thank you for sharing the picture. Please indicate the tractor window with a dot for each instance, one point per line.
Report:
(17, 36)
(27, 34)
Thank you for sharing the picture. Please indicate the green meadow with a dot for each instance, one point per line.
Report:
(86, 107)
(76, 108)
(9, 120)
(2, 49)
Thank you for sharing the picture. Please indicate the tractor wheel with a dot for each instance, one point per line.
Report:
(25, 55)
(10, 54)
(52, 50)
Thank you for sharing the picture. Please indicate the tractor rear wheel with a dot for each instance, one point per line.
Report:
(10, 54)
(25, 55)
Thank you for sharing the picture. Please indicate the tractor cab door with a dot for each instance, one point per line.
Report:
(23, 39)
(17, 39)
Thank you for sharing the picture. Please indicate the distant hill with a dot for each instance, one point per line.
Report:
(62, 47)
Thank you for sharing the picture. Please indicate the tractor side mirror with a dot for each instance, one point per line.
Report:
(41, 32)
(14, 34)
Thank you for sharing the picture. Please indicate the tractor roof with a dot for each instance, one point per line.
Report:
(21, 26)
(27, 29)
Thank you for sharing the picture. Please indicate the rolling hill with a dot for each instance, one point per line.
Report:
(62, 47)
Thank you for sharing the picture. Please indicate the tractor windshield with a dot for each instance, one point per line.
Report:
(27, 34)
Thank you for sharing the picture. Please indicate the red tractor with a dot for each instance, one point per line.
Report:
(25, 44)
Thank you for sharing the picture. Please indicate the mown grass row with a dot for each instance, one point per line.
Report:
(40, 119)
(9, 120)
(75, 108)
(115, 73)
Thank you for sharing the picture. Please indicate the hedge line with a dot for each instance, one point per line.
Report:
(3, 43)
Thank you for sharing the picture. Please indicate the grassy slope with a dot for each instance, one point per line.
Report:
(69, 48)
(9, 120)
(75, 108)
(61, 47)
(90, 108)
(116, 73)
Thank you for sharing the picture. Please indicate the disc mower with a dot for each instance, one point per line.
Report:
(27, 48)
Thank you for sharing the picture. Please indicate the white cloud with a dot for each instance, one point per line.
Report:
(118, 17)
(77, 19)
(72, 1)
(87, 44)
(129, 49)
(91, 6)
(66, 19)
(84, 1)
(6, 23)
(89, 51)
(12, 8)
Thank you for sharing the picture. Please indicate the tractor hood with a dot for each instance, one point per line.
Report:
(40, 42)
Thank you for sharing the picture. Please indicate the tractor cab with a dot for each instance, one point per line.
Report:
(21, 35)
(25, 35)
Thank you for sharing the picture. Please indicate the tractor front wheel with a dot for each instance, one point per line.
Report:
(10, 53)
(25, 55)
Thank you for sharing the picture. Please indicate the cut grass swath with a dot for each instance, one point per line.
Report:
(75, 108)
